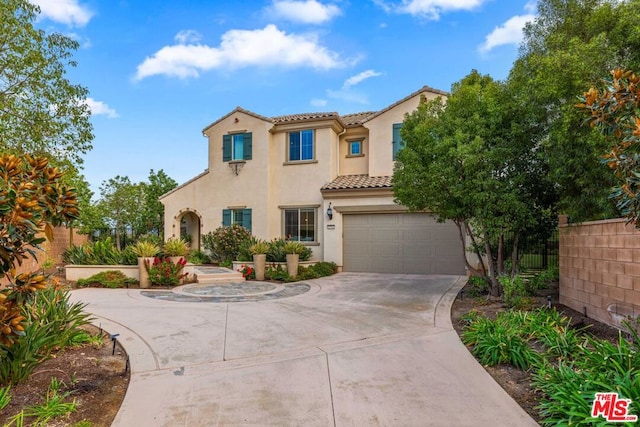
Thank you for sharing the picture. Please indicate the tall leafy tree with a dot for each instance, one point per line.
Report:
(120, 202)
(570, 45)
(159, 184)
(614, 110)
(475, 162)
(41, 111)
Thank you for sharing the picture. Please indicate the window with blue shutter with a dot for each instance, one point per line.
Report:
(237, 146)
(240, 217)
(398, 143)
(226, 217)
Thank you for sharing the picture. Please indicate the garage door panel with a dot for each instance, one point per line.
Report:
(401, 243)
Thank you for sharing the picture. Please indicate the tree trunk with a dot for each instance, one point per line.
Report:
(496, 288)
(514, 255)
(464, 250)
(500, 260)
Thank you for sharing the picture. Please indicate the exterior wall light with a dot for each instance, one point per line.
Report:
(330, 211)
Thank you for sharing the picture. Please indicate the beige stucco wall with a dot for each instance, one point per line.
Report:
(381, 135)
(267, 183)
(354, 165)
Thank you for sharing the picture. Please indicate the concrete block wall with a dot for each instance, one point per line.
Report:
(600, 269)
(51, 250)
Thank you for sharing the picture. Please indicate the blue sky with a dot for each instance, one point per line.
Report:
(159, 71)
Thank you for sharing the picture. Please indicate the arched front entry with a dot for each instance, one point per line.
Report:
(189, 224)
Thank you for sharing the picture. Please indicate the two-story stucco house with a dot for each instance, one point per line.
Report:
(320, 178)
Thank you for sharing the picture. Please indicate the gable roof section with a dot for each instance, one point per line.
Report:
(195, 178)
(347, 120)
(236, 110)
(358, 182)
(406, 98)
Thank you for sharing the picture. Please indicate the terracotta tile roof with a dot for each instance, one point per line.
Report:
(353, 182)
(356, 118)
(303, 117)
(348, 120)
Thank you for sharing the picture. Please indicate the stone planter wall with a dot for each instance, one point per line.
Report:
(237, 265)
(75, 272)
(600, 269)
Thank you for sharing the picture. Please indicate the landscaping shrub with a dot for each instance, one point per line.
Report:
(479, 286)
(514, 292)
(276, 272)
(198, 258)
(224, 243)
(128, 256)
(278, 253)
(568, 388)
(542, 280)
(52, 323)
(568, 366)
(164, 272)
(175, 247)
(102, 252)
(497, 342)
(244, 251)
(248, 272)
(107, 279)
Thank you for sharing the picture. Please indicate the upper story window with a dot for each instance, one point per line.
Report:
(237, 146)
(398, 143)
(300, 146)
(355, 148)
(300, 224)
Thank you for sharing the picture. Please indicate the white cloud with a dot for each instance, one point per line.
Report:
(241, 48)
(531, 7)
(359, 78)
(508, 33)
(68, 12)
(307, 12)
(430, 9)
(316, 102)
(188, 36)
(100, 108)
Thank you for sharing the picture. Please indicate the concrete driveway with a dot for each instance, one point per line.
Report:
(355, 350)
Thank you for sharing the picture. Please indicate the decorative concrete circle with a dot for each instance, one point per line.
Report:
(229, 292)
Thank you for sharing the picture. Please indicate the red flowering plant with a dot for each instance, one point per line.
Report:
(164, 272)
(247, 271)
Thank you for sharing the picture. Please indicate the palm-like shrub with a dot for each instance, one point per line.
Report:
(145, 248)
(175, 247)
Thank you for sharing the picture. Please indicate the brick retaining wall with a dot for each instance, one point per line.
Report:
(600, 269)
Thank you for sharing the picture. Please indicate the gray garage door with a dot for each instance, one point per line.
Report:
(401, 243)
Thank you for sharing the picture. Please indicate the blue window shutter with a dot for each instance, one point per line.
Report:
(248, 146)
(246, 219)
(226, 148)
(226, 217)
(397, 139)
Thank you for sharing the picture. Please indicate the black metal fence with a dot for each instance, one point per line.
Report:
(539, 253)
